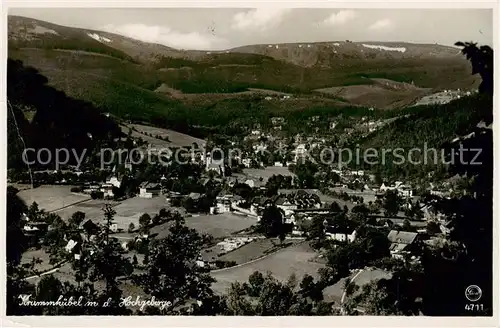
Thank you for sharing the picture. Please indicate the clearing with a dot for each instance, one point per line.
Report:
(291, 260)
(127, 211)
(51, 198)
(175, 139)
(220, 225)
(378, 93)
(334, 292)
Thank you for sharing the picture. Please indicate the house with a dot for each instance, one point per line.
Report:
(114, 227)
(405, 191)
(299, 152)
(439, 191)
(194, 196)
(357, 172)
(286, 205)
(113, 180)
(107, 190)
(402, 189)
(172, 197)
(89, 227)
(446, 226)
(223, 203)
(402, 242)
(215, 165)
(89, 188)
(35, 231)
(278, 120)
(258, 204)
(255, 183)
(340, 234)
(149, 189)
(385, 187)
(70, 246)
(246, 162)
(260, 148)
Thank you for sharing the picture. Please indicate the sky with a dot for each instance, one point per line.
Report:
(225, 28)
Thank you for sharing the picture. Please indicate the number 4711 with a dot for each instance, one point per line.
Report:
(473, 307)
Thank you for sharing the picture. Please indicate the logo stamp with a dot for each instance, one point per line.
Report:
(473, 293)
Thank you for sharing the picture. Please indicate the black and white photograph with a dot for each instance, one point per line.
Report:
(249, 161)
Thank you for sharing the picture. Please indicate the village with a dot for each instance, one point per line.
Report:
(229, 201)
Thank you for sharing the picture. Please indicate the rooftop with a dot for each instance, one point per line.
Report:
(402, 237)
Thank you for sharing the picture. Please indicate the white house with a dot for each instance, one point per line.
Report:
(358, 172)
(70, 245)
(246, 162)
(113, 180)
(114, 227)
(223, 203)
(402, 243)
(286, 206)
(405, 191)
(250, 182)
(255, 132)
(259, 148)
(402, 189)
(300, 151)
(107, 190)
(343, 235)
(149, 189)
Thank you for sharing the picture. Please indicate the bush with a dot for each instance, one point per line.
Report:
(131, 245)
(145, 220)
(219, 264)
(131, 227)
(156, 219)
(97, 195)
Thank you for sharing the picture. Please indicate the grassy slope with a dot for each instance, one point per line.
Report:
(435, 124)
(125, 88)
(111, 76)
(426, 127)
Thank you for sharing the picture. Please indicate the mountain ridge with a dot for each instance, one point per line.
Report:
(153, 51)
(125, 77)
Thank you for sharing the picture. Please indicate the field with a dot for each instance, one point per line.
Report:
(250, 251)
(291, 260)
(175, 138)
(380, 93)
(220, 225)
(31, 254)
(268, 172)
(51, 198)
(127, 211)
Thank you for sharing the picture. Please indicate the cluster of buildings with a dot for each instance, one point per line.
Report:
(402, 189)
(403, 243)
(443, 97)
(106, 187)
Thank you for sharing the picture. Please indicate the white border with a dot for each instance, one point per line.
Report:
(336, 321)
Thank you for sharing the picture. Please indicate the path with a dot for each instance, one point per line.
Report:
(72, 204)
(344, 293)
(53, 270)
